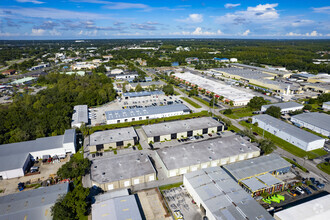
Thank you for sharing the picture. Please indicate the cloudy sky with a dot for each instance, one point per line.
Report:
(81, 19)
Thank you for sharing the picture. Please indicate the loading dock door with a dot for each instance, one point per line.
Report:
(189, 133)
(205, 130)
(156, 138)
(219, 128)
(120, 143)
(99, 147)
(174, 136)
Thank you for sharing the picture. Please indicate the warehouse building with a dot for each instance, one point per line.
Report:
(264, 70)
(112, 139)
(219, 197)
(138, 114)
(180, 129)
(230, 94)
(315, 121)
(326, 106)
(129, 95)
(79, 116)
(290, 133)
(32, 204)
(185, 158)
(126, 170)
(285, 107)
(118, 205)
(316, 209)
(147, 85)
(15, 158)
(259, 175)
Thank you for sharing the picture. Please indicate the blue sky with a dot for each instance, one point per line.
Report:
(103, 19)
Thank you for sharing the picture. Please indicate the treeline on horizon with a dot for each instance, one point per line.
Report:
(49, 112)
(292, 54)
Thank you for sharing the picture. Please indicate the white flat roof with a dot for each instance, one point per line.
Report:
(218, 88)
(111, 136)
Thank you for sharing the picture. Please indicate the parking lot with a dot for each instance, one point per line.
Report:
(179, 199)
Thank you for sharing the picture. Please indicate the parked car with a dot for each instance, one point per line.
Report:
(313, 187)
(93, 155)
(320, 185)
(306, 190)
(210, 135)
(300, 190)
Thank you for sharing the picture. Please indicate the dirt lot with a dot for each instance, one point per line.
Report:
(10, 186)
(153, 205)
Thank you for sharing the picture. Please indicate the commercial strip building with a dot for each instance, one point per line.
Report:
(25, 80)
(79, 116)
(112, 139)
(32, 204)
(117, 205)
(315, 121)
(230, 94)
(185, 158)
(15, 158)
(129, 95)
(138, 114)
(264, 70)
(326, 106)
(285, 107)
(220, 197)
(290, 133)
(259, 78)
(316, 209)
(259, 174)
(126, 170)
(180, 129)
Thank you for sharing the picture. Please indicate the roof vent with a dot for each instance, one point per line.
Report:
(210, 158)
(95, 167)
(103, 173)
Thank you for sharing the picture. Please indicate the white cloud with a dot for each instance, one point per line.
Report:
(124, 5)
(325, 10)
(31, 1)
(193, 18)
(298, 23)
(312, 34)
(198, 32)
(246, 33)
(230, 5)
(55, 33)
(37, 32)
(88, 33)
(7, 34)
(259, 14)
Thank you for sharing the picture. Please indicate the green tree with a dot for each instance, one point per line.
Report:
(74, 168)
(168, 89)
(138, 88)
(193, 92)
(228, 111)
(274, 111)
(308, 107)
(267, 146)
(256, 103)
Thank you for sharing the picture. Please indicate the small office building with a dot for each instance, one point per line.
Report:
(112, 139)
(181, 129)
(126, 170)
(16, 157)
(285, 107)
(79, 116)
(138, 114)
(32, 204)
(315, 121)
(185, 158)
(259, 174)
(290, 133)
(219, 197)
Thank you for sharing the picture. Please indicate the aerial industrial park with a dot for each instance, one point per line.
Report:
(164, 111)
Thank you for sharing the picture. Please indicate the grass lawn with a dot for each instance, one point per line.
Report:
(283, 144)
(296, 164)
(170, 186)
(325, 167)
(80, 153)
(194, 104)
(313, 132)
(240, 113)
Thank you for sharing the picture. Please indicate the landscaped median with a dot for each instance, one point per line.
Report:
(202, 101)
(170, 186)
(238, 113)
(296, 164)
(325, 167)
(283, 144)
(194, 104)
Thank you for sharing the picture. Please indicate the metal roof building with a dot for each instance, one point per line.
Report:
(285, 107)
(136, 114)
(315, 121)
(142, 93)
(239, 97)
(261, 165)
(181, 128)
(316, 209)
(126, 170)
(189, 157)
(31, 204)
(290, 133)
(79, 116)
(220, 197)
(112, 138)
(119, 208)
(15, 157)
